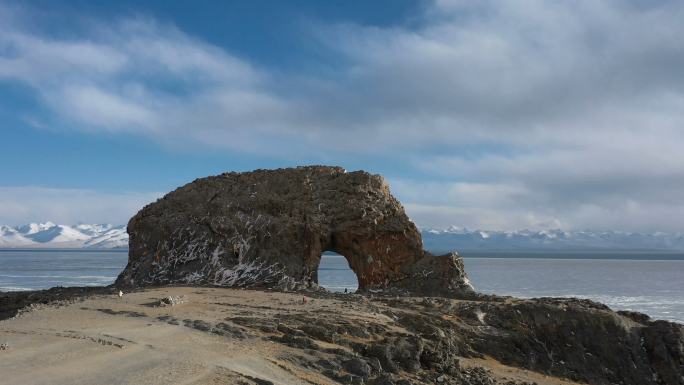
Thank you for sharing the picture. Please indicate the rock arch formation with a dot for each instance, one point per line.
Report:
(334, 272)
(268, 228)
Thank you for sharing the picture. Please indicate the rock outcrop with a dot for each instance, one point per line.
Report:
(348, 338)
(268, 228)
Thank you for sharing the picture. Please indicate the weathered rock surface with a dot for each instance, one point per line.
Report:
(379, 339)
(172, 301)
(268, 228)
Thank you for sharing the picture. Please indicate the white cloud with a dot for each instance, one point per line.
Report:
(542, 113)
(94, 106)
(494, 72)
(514, 206)
(22, 204)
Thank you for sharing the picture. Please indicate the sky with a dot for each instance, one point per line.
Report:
(495, 115)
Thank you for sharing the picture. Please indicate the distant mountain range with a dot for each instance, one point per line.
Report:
(50, 235)
(455, 238)
(106, 236)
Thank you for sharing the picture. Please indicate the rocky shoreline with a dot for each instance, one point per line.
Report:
(389, 339)
(14, 302)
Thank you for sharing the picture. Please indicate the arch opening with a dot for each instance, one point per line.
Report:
(335, 274)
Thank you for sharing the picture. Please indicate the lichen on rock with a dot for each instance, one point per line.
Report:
(268, 228)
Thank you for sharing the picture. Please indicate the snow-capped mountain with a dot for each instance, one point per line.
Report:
(105, 236)
(10, 237)
(455, 238)
(50, 235)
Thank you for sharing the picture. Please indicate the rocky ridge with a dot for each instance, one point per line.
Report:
(326, 338)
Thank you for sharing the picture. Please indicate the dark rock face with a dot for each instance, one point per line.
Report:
(581, 340)
(12, 302)
(429, 338)
(268, 228)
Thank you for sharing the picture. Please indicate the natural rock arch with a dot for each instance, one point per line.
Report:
(268, 228)
(335, 274)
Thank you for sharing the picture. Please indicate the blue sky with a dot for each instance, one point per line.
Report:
(493, 115)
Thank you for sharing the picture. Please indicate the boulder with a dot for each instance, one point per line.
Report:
(268, 228)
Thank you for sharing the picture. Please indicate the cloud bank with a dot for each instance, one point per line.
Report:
(503, 114)
(21, 205)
